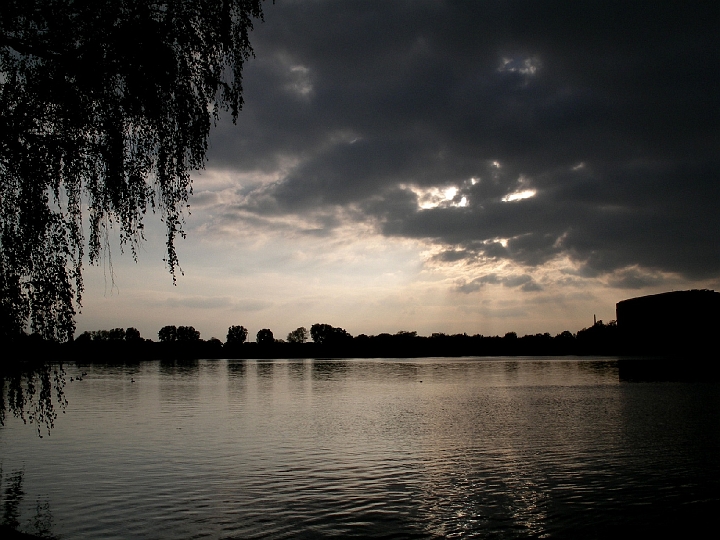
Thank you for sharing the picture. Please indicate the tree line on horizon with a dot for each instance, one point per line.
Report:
(321, 334)
(327, 340)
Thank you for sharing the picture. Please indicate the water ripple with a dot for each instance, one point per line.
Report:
(316, 449)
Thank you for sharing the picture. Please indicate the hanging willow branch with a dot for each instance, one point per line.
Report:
(106, 107)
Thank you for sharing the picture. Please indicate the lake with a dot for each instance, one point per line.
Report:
(420, 448)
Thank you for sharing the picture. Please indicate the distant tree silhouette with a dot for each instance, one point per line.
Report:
(106, 109)
(265, 337)
(236, 335)
(84, 337)
(214, 345)
(187, 334)
(533, 344)
(319, 332)
(600, 338)
(168, 334)
(132, 334)
(325, 334)
(116, 334)
(564, 343)
(299, 335)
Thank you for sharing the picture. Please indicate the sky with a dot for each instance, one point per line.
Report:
(440, 166)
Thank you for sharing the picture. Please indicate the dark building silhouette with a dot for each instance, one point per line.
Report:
(672, 324)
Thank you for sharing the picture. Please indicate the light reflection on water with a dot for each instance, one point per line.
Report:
(428, 448)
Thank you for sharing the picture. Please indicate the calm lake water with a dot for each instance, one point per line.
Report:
(421, 448)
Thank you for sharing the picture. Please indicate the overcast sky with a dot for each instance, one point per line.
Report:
(442, 166)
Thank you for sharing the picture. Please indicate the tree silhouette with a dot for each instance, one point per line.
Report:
(116, 334)
(106, 109)
(325, 334)
(299, 335)
(187, 334)
(265, 337)
(168, 334)
(132, 334)
(236, 335)
(319, 332)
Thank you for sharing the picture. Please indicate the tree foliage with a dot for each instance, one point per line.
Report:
(325, 334)
(187, 334)
(116, 334)
(167, 334)
(106, 109)
(171, 333)
(299, 335)
(132, 334)
(265, 337)
(236, 335)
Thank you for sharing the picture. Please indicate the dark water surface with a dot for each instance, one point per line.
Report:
(426, 448)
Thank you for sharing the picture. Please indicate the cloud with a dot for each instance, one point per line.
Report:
(251, 305)
(199, 302)
(524, 282)
(634, 278)
(215, 302)
(508, 131)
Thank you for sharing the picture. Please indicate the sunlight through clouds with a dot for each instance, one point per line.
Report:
(301, 80)
(523, 66)
(519, 195)
(418, 170)
(433, 197)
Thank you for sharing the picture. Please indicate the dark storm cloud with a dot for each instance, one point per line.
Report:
(608, 111)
